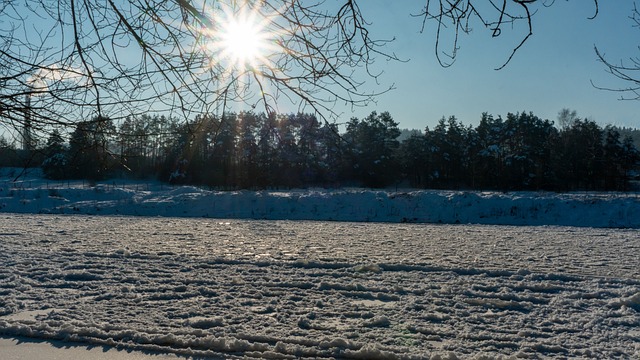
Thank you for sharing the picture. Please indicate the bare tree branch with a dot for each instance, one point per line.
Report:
(628, 72)
(457, 16)
(62, 62)
(76, 59)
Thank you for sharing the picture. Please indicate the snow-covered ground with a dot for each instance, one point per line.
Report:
(295, 289)
(32, 194)
(233, 285)
(21, 348)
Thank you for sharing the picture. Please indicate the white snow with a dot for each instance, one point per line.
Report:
(32, 194)
(30, 349)
(234, 285)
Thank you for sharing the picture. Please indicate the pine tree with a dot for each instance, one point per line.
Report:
(89, 156)
(54, 165)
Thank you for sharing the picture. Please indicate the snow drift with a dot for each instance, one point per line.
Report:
(32, 194)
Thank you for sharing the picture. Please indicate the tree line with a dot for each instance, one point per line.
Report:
(258, 151)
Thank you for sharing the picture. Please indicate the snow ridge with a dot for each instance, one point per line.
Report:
(614, 210)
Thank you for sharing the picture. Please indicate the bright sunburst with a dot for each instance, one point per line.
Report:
(242, 38)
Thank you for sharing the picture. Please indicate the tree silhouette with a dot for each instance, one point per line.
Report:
(415, 160)
(63, 61)
(373, 143)
(247, 150)
(625, 71)
(89, 156)
(68, 60)
(579, 156)
(54, 165)
(489, 153)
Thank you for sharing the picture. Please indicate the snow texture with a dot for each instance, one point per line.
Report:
(283, 289)
(31, 194)
(305, 289)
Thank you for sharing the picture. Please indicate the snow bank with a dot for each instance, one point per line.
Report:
(31, 194)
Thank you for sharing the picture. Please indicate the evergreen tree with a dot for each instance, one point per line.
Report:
(9, 155)
(374, 142)
(488, 156)
(450, 148)
(527, 157)
(415, 159)
(247, 150)
(89, 156)
(268, 138)
(222, 160)
(630, 160)
(54, 165)
(614, 173)
(309, 148)
(578, 157)
(620, 157)
(289, 165)
(334, 163)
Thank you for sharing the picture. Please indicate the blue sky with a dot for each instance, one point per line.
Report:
(553, 70)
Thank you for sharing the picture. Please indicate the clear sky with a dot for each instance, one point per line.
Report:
(553, 70)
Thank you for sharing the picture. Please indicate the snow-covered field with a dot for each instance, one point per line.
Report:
(211, 278)
(295, 289)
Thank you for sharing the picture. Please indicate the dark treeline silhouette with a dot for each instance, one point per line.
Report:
(258, 151)
(521, 152)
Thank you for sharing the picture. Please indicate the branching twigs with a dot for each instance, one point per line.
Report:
(628, 73)
(492, 14)
(81, 58)
(524, 39)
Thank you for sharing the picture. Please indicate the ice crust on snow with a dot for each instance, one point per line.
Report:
(311, 289)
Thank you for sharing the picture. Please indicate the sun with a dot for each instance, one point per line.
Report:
(242, 39)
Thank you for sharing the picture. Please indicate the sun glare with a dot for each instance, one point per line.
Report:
(242, 39)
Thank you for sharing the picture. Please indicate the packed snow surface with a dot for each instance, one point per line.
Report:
(310, 289)
(21, 348)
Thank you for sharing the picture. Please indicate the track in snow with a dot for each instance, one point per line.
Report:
(283, 289)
